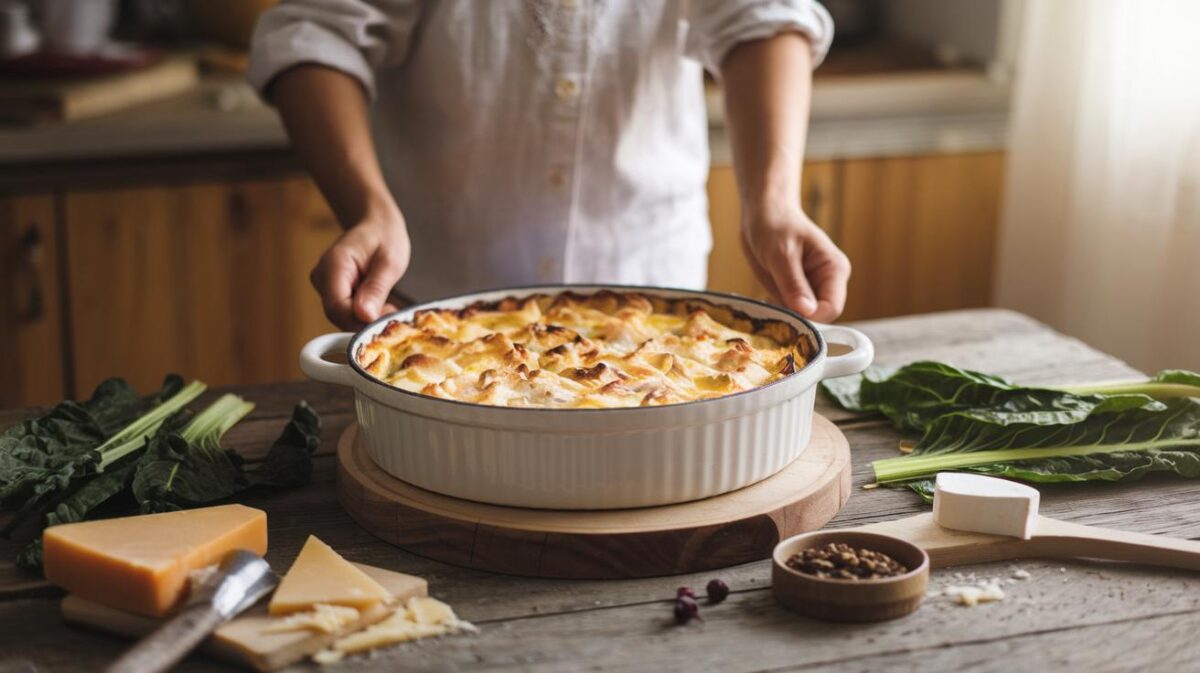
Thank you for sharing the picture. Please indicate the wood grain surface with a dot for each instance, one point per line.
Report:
(717, 532)
(31, 311)
(1051, 539)
(220, 260)
(1068, 616)
(247, 639)
(925, 238)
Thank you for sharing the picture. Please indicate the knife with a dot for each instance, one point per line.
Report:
(243, 578)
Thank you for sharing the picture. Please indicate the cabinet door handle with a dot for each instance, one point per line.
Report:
(32, 250)
(812, 202)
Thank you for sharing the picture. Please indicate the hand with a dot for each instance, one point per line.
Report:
(357, 272)
(797, 262)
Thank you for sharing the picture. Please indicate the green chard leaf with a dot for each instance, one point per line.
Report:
(30, 556)
(916, 395)
(188, 468)
(117, 448)
(1106, 446)
(981, 423)
(43, 460)
(289, 462)
(185, 466)
(37, 448)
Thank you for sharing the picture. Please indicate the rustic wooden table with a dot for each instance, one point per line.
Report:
(1066, 616)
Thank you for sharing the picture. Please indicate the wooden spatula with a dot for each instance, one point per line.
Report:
(1051, 539)
(974, 516)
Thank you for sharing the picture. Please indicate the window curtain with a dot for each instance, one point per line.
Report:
(1101, 223)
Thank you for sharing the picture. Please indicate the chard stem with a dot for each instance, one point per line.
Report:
(905, 468)
(133, 436)
(1159, 391)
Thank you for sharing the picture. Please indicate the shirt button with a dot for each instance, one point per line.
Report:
(557, 177)
(566, 88)
(546, 268)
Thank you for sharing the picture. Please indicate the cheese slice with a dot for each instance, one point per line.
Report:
(320, 575)
(421, 617)
(973, 502)
(321, 619)
(141, 563)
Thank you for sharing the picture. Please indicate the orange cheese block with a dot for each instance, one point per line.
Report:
(141, 563)
(320, 576)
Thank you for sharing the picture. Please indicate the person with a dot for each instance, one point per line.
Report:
(471, 144)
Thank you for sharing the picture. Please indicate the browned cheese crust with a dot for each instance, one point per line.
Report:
(604, 350)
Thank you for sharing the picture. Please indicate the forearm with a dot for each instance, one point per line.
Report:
(325, 113)
(768, 84)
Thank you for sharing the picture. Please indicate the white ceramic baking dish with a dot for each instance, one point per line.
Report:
(589, 458)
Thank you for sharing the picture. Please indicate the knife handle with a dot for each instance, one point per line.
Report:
(169, 643)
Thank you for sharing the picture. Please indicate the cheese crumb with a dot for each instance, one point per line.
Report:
(323, 618)
(327, 657)
(970, 596)
(421, 617)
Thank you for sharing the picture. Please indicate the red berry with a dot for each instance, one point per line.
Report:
(717, 591)
(685, 591)
(686, 609)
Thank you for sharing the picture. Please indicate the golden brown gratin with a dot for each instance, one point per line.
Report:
(604, 350)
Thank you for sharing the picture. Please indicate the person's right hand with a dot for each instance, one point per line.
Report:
(357, 272)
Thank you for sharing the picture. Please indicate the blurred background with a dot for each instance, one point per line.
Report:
(1039, 155)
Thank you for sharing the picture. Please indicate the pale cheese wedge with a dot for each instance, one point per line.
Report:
(979, 504)
(320, 576)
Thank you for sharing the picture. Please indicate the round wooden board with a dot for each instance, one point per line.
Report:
(716, 532)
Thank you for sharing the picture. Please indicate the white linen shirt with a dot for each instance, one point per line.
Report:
(537, 141)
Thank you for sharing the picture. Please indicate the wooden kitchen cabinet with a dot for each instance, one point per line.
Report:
(207, 280)
(919, 231)
(728, 270)
(32, 370)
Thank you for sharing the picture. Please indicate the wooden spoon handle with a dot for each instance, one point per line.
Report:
(1063, 539)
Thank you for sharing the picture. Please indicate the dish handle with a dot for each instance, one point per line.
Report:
(861, 353)
(316, 367)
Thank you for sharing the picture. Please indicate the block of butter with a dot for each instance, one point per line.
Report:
(141, 563)
(980, 504)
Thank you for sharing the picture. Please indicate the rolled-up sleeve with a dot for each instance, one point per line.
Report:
(717, 26)
(358, 37)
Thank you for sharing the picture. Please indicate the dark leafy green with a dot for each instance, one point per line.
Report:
(43, 460)
(981, 423)
(190, 469)
(1107, 447)
(127, 451)
(289, 462)
(915, 395)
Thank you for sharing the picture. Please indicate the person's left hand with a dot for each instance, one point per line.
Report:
(796, 261)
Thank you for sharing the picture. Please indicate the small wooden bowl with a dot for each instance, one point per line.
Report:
(851, 600)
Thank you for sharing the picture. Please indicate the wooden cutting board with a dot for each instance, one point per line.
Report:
(243, 641)
(35, 101)
(717, 532)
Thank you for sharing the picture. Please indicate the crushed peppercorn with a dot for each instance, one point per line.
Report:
(840, 561)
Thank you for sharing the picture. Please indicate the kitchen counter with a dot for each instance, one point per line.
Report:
(1065, 616)
(852, 116)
